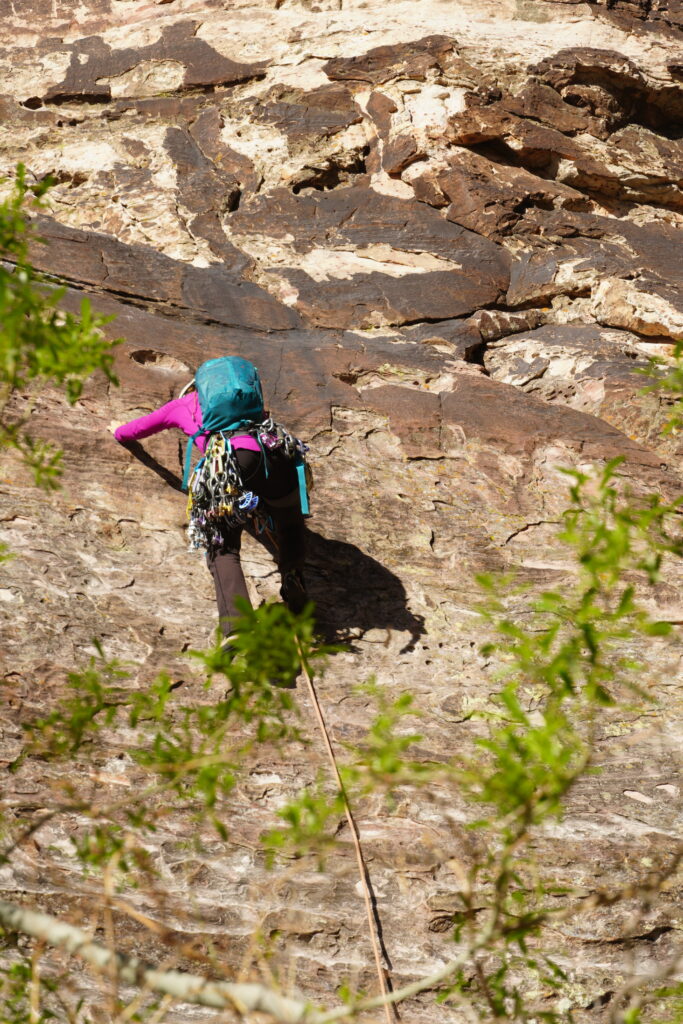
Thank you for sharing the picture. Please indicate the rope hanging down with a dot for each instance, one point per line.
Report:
(373, 923)
(374, 927)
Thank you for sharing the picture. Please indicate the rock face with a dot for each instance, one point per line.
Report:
(448, 234)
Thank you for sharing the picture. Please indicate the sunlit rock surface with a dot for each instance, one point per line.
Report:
(448, 234)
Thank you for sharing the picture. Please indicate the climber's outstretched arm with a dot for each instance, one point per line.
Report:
(145, 426)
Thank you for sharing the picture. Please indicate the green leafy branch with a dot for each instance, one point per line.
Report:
(191, 752)
(667, 382)
(39, 342)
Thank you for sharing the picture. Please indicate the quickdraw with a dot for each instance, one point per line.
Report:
(217, 498)
(271, 436)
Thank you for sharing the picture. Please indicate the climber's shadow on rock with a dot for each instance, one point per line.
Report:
(354, 593)
(167, 475)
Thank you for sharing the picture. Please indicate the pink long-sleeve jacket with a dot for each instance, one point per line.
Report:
(183, 413)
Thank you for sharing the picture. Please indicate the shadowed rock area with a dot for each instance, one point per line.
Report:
(449, 235)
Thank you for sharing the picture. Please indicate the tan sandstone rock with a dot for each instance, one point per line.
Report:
(447, 233)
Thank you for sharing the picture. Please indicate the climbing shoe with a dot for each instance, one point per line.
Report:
(293, 591)
(237, 658)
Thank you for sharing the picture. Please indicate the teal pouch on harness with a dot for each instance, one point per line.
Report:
(230, 395)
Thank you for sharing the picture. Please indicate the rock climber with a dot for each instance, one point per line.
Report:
(268, 471)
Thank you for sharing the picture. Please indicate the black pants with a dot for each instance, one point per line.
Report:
(275, 481)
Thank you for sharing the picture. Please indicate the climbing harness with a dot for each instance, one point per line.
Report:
(218, 499)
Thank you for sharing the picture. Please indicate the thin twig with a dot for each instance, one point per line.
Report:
(109, 931)
(414, 988)
(34, 986)
(193, 988)
(189, 988)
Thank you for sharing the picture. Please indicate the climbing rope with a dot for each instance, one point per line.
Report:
(373, 922)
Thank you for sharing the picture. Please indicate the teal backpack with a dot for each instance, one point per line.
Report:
(231, 401)
(230, 396)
